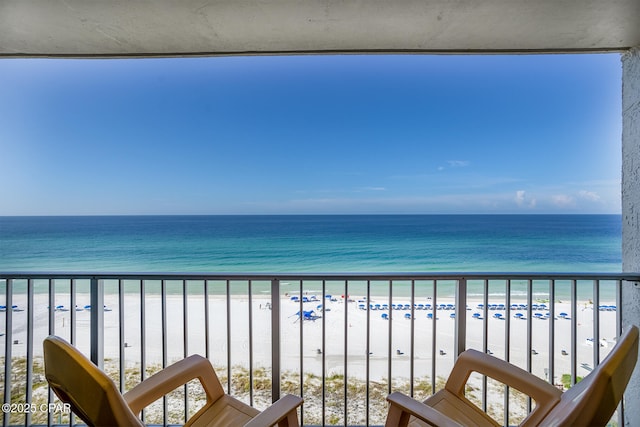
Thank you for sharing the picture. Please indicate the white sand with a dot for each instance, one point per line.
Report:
(333, 324)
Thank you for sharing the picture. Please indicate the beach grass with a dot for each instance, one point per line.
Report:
(328, 396)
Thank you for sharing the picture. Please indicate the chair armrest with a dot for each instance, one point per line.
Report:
(403, 406)
(173, 376)
(511, 375)
(283, 412)
(545, 395)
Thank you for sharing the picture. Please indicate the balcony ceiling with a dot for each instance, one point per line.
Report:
(76, 28)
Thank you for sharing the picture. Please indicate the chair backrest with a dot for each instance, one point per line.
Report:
(93, 396)
(593, 400)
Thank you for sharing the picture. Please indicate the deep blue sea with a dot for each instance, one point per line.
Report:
(313, 243)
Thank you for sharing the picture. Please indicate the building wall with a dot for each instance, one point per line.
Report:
(631, 212)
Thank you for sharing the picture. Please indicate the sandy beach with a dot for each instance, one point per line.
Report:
(384, 334)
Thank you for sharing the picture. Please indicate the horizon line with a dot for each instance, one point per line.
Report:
(313, 214)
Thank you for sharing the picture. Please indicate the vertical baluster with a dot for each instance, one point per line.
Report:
(30, 325)
(7, 348)
(529, 359)
(618, 308)
(461, 317)
(346, 349)
(275, 337)
(507, 347)
(552, 329)
(143, 345)
(434, 313)
(250, 307)
(324, 343)
(574, 333)
(596, 323)
(163, 316)
(412, 335)
(207, 344)
(618, 333)
(529, 319)
(228, 288)
(185, 343)
(485, 337)
(52, 331)
(301, 337)
(552, 316)
(368, 351)
(97, 321)
(390, 337)
(121, 333)
(72, 308)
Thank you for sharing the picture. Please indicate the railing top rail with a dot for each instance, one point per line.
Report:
(322, 276)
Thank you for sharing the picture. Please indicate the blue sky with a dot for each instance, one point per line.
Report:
(311, 134)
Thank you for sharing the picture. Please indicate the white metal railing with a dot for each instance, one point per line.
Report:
(341, 341)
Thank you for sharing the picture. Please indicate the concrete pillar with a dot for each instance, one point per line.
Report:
(631, 213)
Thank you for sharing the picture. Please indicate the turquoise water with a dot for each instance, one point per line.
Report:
(329, 243)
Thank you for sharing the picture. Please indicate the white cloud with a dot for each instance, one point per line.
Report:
(589, 195)
(522, 200)
(562, 200)
(458, 163)
(453, 164)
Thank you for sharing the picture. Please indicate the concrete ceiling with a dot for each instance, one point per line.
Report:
(116, 28)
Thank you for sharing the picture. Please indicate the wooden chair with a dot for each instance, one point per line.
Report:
(591, 402)
(94, 397)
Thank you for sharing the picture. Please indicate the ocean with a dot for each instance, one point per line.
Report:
(312, 243)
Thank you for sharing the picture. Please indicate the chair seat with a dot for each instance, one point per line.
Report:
(461, 411)
(224, 412)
